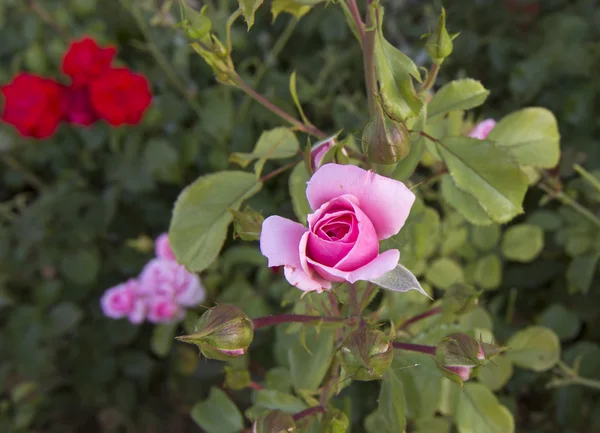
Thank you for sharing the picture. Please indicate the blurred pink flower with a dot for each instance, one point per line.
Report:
(163, 249)
(482, 129)
(122, 301)
(168, 278)
(164, 309)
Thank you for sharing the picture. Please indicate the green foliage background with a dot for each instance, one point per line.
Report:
(66, 368)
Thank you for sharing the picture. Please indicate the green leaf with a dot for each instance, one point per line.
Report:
(391, 401)
(394, 71)
(479, 411)
(163, 336)
(217, 414)
(275, 400)
(461, 94)
(453, 240)
(485, 171)
(535, 348)
(581, 270)
(422, 383)
(547, 220)
(80, 266)
(433, 425)
(444, 272)
(277, 143)
(200, 217)
(249, 8)
(522, 242)
(530, 135)
(497, 373)
(464, 203)
(64, 317)
(297, 185)
(293, 7)
(485, 237)
(488, 272)
(399, 279)
(308, 368)
(565, 323)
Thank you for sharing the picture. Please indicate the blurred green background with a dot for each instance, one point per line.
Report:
(74, 209)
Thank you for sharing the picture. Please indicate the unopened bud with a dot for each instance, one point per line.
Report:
(366, 354)
(223, 332)
(318, 151)
(195, 24)
(335, 421)
(439, 43)
(247, 224)
(274, 422)
(384, 140)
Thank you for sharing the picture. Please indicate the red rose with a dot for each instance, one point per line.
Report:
(33, 105)
(120, 96)
(85, 61)
(77, 106)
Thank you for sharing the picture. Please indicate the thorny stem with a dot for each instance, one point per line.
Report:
(431, 76)
(308, 412)
(36, 7)
(278, 171)
(421, 348)
(311, 130)
(278, 319)
(568, 201)
(368, 48)
(431, 312)
(31, 177)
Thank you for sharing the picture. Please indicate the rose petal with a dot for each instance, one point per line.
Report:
(385, 201)
(381, 264)
(162, 248)
(280, 240)
(300, 279)
(482, 129)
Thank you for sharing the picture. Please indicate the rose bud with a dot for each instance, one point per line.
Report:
(366, 354)
(384, 140)
(222, 333)
(335, 421)
(319, 150)
(274, 422)
(459, 357)
(439, 43)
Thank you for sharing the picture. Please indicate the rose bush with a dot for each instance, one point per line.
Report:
(354, 209)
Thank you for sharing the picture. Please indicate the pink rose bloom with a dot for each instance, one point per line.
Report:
(122, 301)
(168, 278)
(482, 129)
(164, 309)
(162, 248)
(318, 152)
(354, 209)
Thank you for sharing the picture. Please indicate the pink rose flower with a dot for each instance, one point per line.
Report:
(168, 278)
(122, 301)
(164, 309)
(482, 129)
(318, 152)
(162, 248)
(354, 209)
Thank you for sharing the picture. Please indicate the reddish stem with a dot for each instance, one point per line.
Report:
(418, 317)
(256, 386)
(262, 322)
(308, 412)
(421, 348)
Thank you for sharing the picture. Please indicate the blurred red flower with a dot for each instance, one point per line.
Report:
(86, 61)
(34, 105)
(120, 96)
(77, 106)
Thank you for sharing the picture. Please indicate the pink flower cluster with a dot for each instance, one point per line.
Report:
(160, 294)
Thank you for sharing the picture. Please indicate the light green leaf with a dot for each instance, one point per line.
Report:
(399, 279)
(394, 71)
(217, 414)
(488, 272)
(297, 186)
(464, 203)
(485, 237)
(163, 336)
(276, 400)
(294, 93)
(444, 272)
(308, 368)
(433, 425)
(277, 143)
(485, 171)
(522, 242)
(461, 94)
(293, 7)
(249, 8)
(535, 348)
(391, 401)
(453, 240)
(564, 322)
(478, 411)
(530, 135)
(200, 217)
(422, 383)
(495, 374)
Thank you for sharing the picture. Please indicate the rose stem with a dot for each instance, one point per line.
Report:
(418, 317)
(421, 348)
(308, 412)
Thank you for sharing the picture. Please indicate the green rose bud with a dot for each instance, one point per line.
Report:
(195, 23)
(335, 421)
(222, 333)
(247, 224)
(439, 43)
(366, 354)
(384, 140)
(274, 422)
